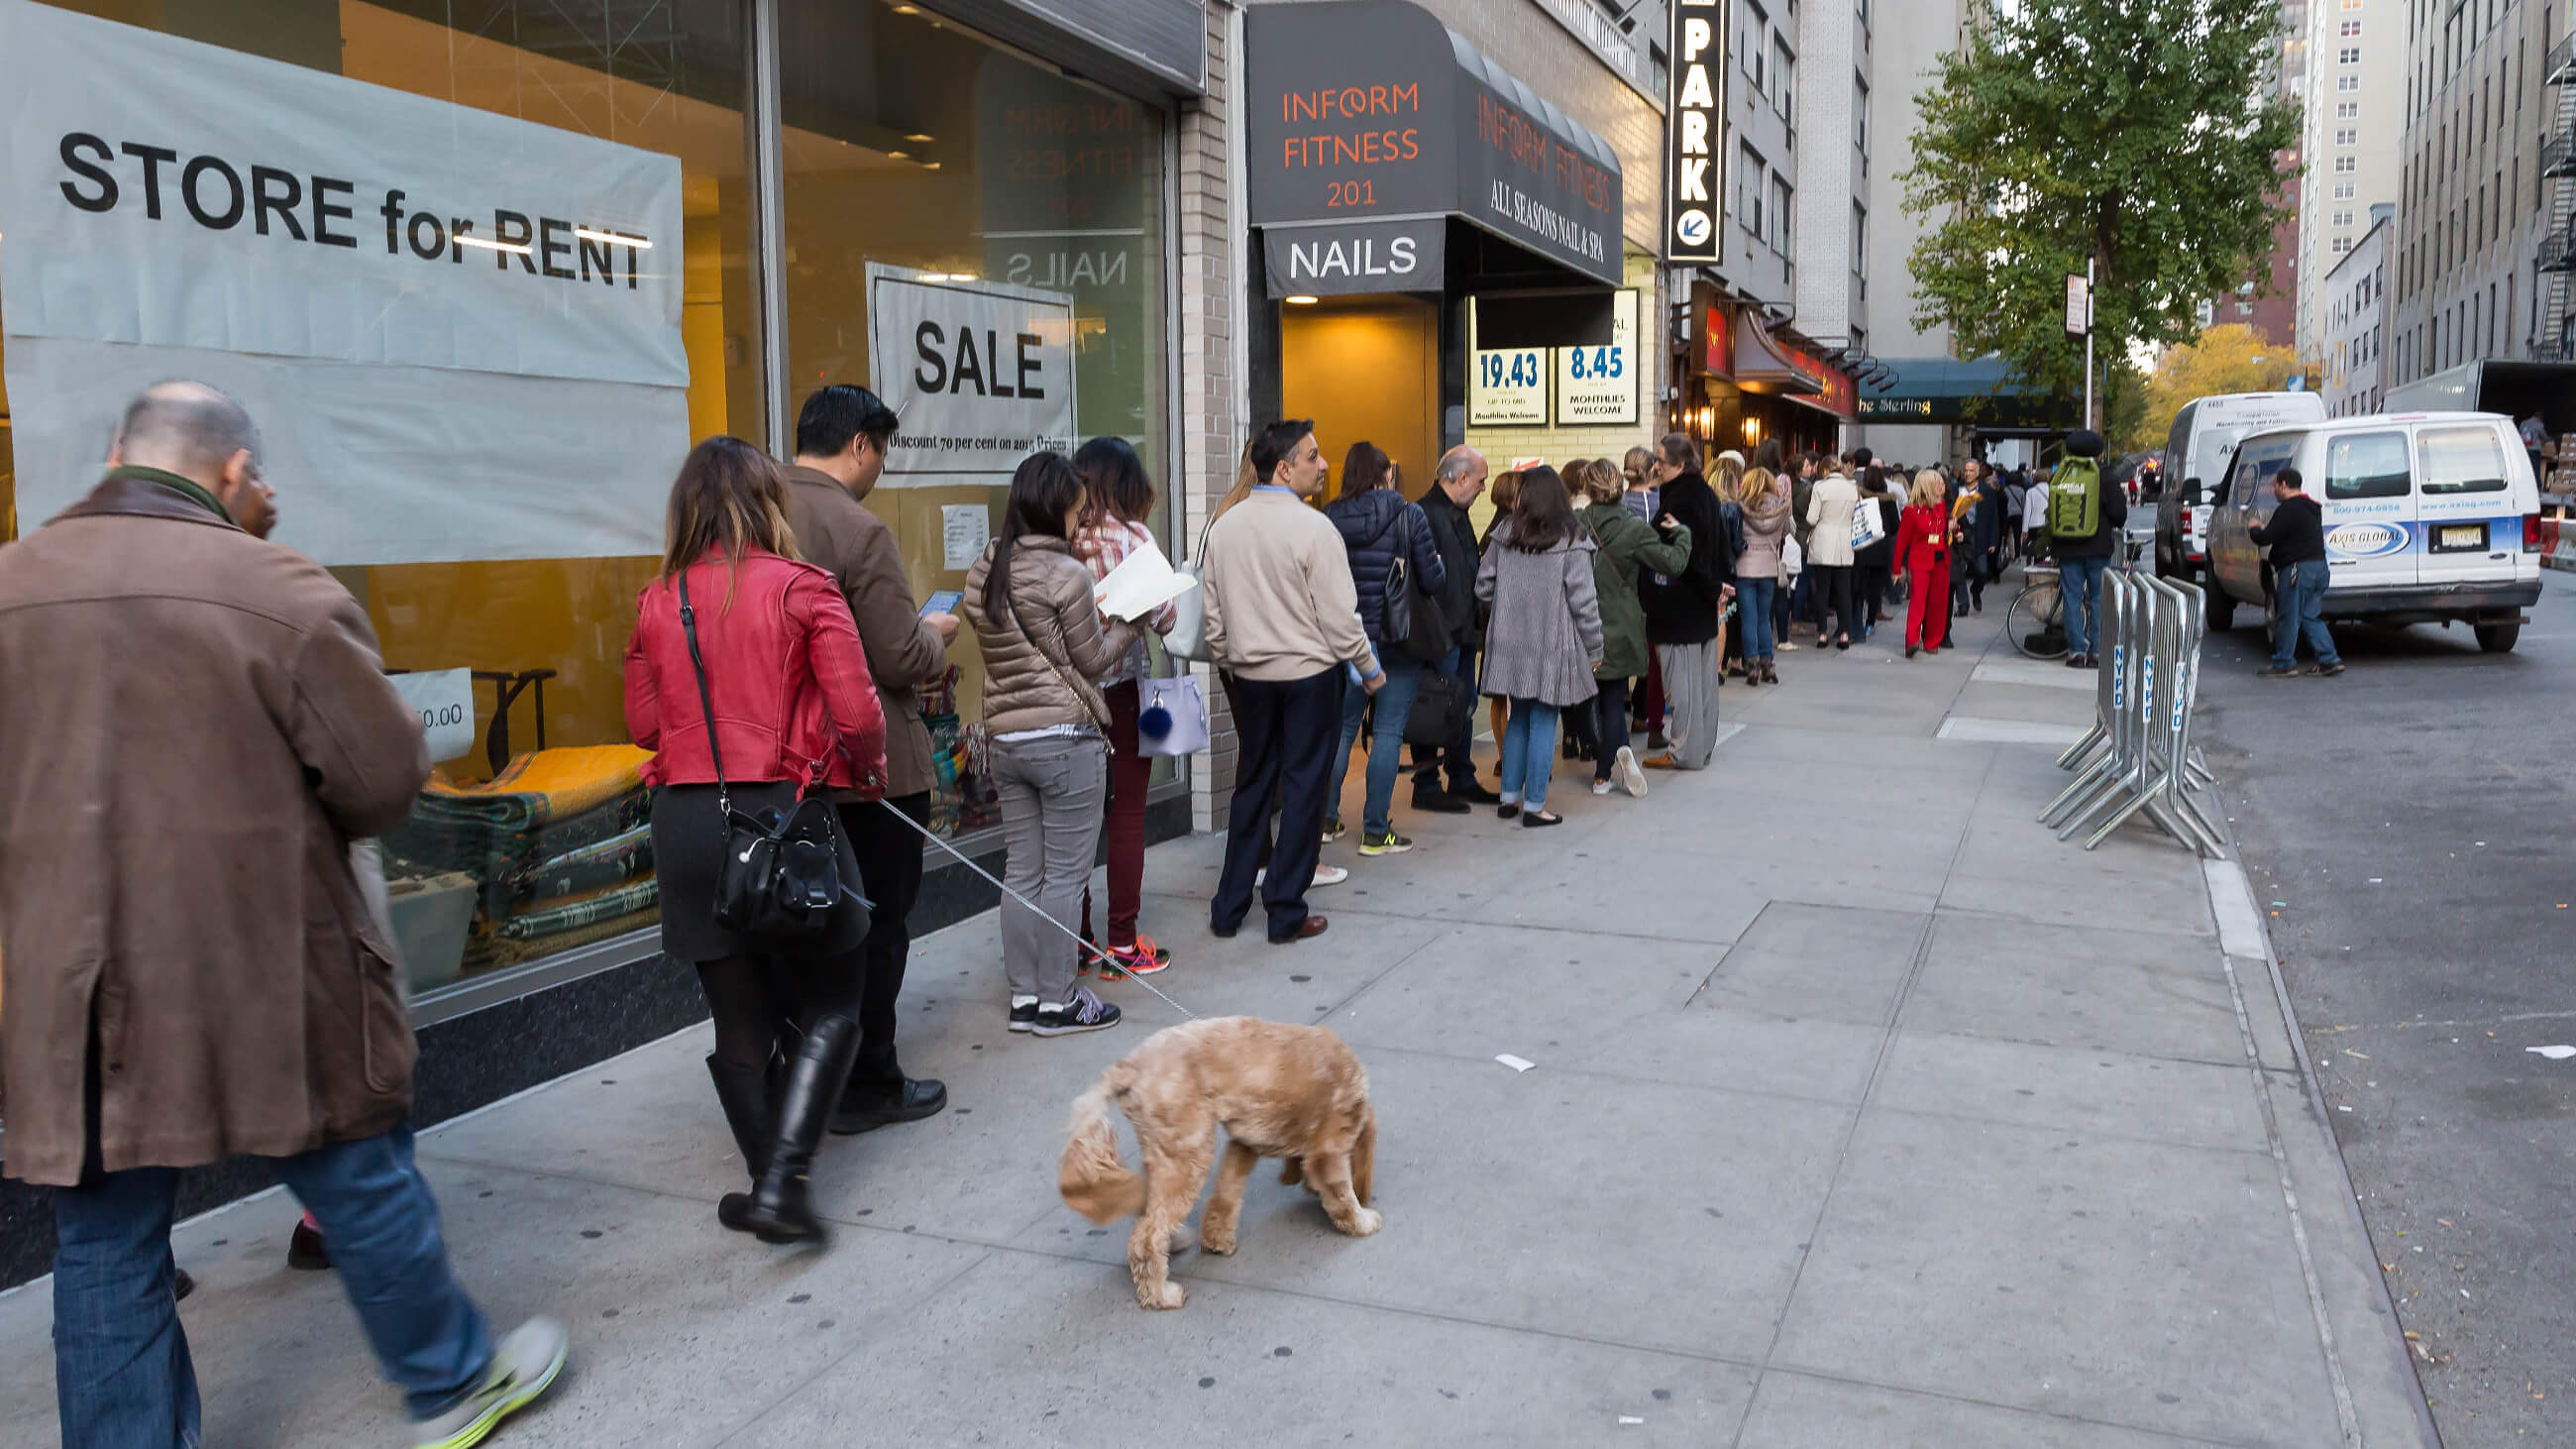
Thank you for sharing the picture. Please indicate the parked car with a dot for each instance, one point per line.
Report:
(2429, 518)
(2204, 434)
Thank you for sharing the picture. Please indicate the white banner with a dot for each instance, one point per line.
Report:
(1596, 386)
(979, 373)
(465, 326)
(445, 700)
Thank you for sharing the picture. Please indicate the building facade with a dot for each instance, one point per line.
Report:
(2268, 301)
(2353, 312)
(2473, 203)
(2351, 141)
(1909, 364)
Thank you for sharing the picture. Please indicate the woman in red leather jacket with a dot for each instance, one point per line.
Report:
(1923, 552)
(794, 709)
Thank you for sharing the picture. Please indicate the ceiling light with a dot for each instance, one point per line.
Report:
(922, 136)
(961, 276)
(900, 155)
(907, 10)
(1300, 300)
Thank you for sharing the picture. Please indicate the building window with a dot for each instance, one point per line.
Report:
(1860, 117)
(1784, 72)
(2348, 55)
(2343, 218)
(2349, 136)
(1781, 214)
(2345, 165)
(2351, 30)
(2343, 190)
(1752, 27)
(2347, 110)
(2342, 244)
(1748, 190)
(2348, 84)
(1860, 240)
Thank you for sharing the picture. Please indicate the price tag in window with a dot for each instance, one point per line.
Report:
(444, 700)
(1507, 387)
(1599, 384)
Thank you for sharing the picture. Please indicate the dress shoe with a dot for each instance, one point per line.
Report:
(1475, 792)
(867, 1106)
(1309, 927)
(1439, 802)
(1662, 762)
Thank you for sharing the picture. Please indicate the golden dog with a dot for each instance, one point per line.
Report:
(1279, 1091)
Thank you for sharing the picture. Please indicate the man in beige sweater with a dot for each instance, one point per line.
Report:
(1283, 624)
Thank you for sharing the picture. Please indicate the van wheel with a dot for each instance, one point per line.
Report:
(2220, 608)
(2498, 638)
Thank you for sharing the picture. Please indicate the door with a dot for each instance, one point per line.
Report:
(2469, 524)
(2368, 495)
(1366, 369)
(2232, 552)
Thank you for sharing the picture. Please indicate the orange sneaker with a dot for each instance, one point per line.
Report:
(1142, 959)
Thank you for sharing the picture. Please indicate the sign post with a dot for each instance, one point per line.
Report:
(2079, 323)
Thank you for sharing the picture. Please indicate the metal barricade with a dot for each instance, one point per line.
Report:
(2140, 752)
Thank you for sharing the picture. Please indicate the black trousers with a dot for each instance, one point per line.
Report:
(1285, 730)
(1458, 756)
(1873, 580)
(890, 871)
(1610, 715)
(1833, 594)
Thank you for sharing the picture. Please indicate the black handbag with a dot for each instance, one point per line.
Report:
(780, 880)
(1412, 618)
(1441, 709)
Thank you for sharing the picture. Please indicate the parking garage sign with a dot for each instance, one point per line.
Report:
(1692, 130)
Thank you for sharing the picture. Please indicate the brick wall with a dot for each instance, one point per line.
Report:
(1208, 392)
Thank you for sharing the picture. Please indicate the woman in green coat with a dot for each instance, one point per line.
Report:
(1626, 545)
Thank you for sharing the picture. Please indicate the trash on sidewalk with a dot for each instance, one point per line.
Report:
(1630, 1419)
(1518, 1064)
(2554, 1053)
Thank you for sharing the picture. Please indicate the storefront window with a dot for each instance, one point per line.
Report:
(979, 239)
(486, 473)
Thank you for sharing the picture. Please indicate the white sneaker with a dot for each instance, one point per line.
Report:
(524, 1365)
(1630, 774)
(1324, 875)
(1600, 787)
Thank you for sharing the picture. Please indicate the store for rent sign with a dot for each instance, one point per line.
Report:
(1694, 126)
(458, 331)
(979, 374)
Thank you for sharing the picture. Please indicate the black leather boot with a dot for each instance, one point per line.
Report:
(744, 1093)
(780, 1211)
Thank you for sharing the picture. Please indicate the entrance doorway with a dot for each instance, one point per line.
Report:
(1366, 368)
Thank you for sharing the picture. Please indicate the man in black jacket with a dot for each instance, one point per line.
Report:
(2296, 536)
(1455, 484)
(1683, 611)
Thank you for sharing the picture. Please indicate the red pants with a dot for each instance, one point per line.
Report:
(1129, 773)
(1927, 604)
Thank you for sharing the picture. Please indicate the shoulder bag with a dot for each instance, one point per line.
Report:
(780, 880)
(1171, 716)
(1412, 617)
(1188, 636)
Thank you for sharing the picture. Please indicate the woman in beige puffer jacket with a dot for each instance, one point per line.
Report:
(1044, 642)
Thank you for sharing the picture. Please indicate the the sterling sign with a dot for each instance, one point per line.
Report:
(1691, 230)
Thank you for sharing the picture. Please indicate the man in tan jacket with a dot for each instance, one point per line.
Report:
(198, 727)
(1283, 623)
(841, 438)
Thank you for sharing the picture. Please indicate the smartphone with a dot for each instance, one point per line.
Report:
(942, 601)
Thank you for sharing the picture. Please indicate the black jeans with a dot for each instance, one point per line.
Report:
(890, 872)
(1610, 716)
(1874, 574)
(1285, 731)
(1833, 594)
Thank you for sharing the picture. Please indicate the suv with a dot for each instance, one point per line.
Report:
(2204, 433)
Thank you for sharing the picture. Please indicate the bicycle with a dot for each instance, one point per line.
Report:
(2036, 622)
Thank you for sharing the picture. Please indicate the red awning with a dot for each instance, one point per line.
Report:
(1761, 366)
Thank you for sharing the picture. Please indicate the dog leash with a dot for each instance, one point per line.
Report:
(962, 859)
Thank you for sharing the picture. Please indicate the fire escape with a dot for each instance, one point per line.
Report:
(2557, 257)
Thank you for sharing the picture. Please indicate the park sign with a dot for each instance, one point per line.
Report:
(1696, 121)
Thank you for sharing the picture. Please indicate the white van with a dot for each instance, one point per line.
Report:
(2429, 517)
(2205, 433)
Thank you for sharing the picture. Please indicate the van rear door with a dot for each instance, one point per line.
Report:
(2369, 503)
(2471, 520)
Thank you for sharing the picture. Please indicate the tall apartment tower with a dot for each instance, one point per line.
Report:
(2474, 199)
(2352, 140)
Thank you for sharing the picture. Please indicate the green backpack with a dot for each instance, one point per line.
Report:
(2075, 499)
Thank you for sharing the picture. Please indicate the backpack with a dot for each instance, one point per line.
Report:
(2075, 499)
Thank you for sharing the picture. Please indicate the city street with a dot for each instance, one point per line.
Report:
(1863, 1112)
(2406, 828)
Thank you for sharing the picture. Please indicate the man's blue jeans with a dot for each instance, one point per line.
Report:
(1529, 753)
(2299, 592)
(122, 1375)
(1386, 736)
(2079, 582)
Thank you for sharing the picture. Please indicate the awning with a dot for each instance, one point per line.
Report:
(1760, 365)
(1368, 125)
(1948, 390)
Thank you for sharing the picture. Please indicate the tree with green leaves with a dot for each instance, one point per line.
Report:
(2144, 134)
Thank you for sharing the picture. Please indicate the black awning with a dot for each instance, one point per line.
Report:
(1369, 120)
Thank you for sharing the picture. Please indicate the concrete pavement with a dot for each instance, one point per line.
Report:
(1865, 1112)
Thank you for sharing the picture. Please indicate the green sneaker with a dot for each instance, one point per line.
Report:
(523, 1367)
(1332, 830)
(1386, 842)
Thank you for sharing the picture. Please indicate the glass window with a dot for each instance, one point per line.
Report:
(2462, 460)
(1781, 212)
(1748, 190)
(1752, 27)
(1784, 73)
(2366, 465)
(948, 179)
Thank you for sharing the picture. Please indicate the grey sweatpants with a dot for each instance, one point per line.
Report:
(1690, 701)
(1053, 791)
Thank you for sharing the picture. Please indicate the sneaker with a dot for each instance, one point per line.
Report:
(1631, 775)
(1024, 1014)
(524, 1365)
(1324, 875)
(1084, 1012)
(2328, 671)
(1786, 647)
(1383, 843)
(2278, 671)
(1333, 831)
(1142, 959)
(1600, 787)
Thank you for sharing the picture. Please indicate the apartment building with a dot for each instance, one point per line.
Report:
(2351, 140)
(1914, 378)
(2473, 202)
(2352, 316)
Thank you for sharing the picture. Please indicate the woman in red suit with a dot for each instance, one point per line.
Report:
(1923, 552)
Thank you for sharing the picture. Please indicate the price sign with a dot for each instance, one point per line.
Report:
(1508, 387)
(1599, 384)
(444, 699)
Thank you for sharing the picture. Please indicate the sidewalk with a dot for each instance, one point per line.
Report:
(1865, 1112)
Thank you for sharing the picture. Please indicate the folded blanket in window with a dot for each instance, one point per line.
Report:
(589, 910)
